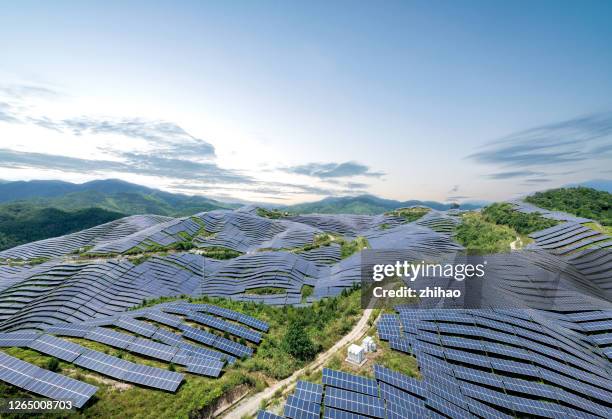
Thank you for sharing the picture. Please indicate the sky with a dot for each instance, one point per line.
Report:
(286, 102)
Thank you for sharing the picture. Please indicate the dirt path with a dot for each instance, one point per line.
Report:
(250, 405)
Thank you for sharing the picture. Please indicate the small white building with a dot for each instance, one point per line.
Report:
(355, 354)
(368, 344)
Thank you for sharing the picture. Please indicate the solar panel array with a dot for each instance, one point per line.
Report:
(274, 258)
(505, 362)
(45, 383)
(147, 338)
(526, 353)
(64, 245)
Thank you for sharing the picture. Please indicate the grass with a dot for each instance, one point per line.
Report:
(477, 234)
(307, 291)
(266, 291)
(505, 214)
(347, 248)
(598, 227)
(273, 214)
(409, 214)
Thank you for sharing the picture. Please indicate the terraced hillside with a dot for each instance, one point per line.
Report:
(538, 345)
(236, 254)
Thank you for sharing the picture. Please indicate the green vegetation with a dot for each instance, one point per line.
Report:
(217, 252)
(307, 291)
(598, 227)
(297, 343)
(273, 214)
(580, 201)
(266, 291)
(110, 194)
(409, 214)
(364, 204)
(477, 234)
(349, 248)
(53, 365)
(21, 223)
(504, 214)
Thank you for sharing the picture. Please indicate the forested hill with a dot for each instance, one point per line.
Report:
(19, 223)
(364, 204)
(110, 194)
(580, 201)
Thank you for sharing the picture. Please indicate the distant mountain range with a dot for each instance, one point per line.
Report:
(365, 204)
(110, 194)
(599, 184)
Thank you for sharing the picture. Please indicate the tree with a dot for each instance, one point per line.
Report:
(53, 365)
(297, 342)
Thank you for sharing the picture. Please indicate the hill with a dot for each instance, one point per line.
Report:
(599, 184)
(580, 201)
(110, 194)
(364, 204)
(20, 223)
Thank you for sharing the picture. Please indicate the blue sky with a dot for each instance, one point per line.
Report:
(280, 102)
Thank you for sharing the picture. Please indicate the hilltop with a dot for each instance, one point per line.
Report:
(109, 194)
(365, 205)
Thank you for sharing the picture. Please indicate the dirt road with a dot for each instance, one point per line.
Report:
(250, 405)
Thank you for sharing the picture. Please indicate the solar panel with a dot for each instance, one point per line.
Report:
(75, 330)
(400, 344)
(399, 380)
(8, 340)
(59, 348)
(406, 410)
(350, 382)
(163, 318)
(110, 337)
(136, 326)
(167, 337)
(153, 377)
(203, 366)
(354, 402)
(152, 349)
(308, 391)
(262, 414)
(15, 371)
(331, 413)
(232, 347)
(104, 364)
(198, 335)
(58, 387)
(46, 383)
(296, 408)
(253, 322)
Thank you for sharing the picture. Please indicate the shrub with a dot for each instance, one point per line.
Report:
(297, 342)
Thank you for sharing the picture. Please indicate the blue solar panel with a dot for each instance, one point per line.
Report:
(351, 382)
(59, 348)
(331, 413)
(46, 383)
(308, 391)
(262, 414)
(354, 402)
(204, 366)
(296, 408)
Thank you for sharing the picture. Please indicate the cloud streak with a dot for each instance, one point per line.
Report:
(332, 170)
(142, 164)
(575, 140)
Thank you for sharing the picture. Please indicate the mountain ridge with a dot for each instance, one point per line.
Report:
(366, 205)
